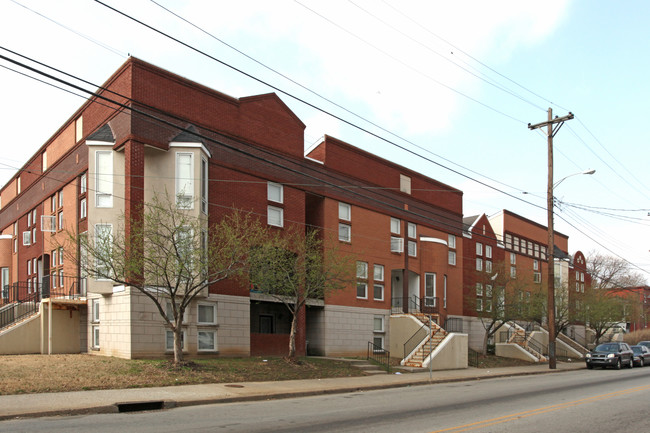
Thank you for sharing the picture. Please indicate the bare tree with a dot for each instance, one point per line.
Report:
(169, 255)
(602, 311)
(500, 297)
(295, 266)
(611, 272)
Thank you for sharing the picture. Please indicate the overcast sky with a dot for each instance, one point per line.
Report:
(454, 83)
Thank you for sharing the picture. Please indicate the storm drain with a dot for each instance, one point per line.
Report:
(140, 406)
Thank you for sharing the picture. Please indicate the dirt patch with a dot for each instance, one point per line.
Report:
(56, 373)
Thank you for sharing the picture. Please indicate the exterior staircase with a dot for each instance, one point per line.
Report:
(572, 343)
(431, 340)
(520, 337)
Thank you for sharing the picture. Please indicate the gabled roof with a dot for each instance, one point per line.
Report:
(188, 135)
(105, 133)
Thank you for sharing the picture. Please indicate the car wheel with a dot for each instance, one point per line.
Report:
(641, 363)
(631, 364)
(618, 364)
(590, 367)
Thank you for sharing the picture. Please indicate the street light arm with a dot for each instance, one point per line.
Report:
(590, 171)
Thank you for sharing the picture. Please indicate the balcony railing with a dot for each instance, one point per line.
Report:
(49, 287)
(426, 305)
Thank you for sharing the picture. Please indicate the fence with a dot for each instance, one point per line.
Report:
(378, 354)
(427, 305)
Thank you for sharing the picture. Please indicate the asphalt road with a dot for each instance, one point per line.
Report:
(578, 401)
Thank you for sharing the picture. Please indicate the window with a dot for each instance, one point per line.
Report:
(103, 243)
(362, 270)
(104, 178)
(83, 210)
(207, 314)
(29, 267)
(27, 238)
(508, 241)
(404, 184)
(488, 305)
(185, 180)
(95, 330)
(60, 220)
(411, 230)
(169, 340)
(444, 292)
(513, 272)
(275, 216)
(362, 290)
(536, 246)
(83, 184)
(378, 324)
(362, 274)
(413, 248)
(513, 258)
(207, 341)
(479, 304)
(204, 185)
(169, 312)
(535, 265)
(60, 255)
(479, 249)
(451, 257)
(378, 292)
(95, 311)
(378, 341)
(530, 248)
(451, 241)
(516, 244)
(4, 283)
(395, 226)
(488, 290)
(537, 277)
(396, 244)
(577, 287)
(345, 212)
(479, 264)
(479, 289)
(488, 266)
(430, 289)
(275, 192)
(60, 199)
(543, 252)
(488, 251)
(53, 255)
(345, 233)
(378, 274)
(53, 201)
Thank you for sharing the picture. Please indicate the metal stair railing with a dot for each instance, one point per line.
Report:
(379, 355)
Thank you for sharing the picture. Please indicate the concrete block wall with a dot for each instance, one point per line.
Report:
(349, 329)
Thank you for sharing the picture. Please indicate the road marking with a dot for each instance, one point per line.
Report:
(539, 411)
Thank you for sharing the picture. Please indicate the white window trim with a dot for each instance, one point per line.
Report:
(204, 184)
(96, 335)
(275, 186)
(184, 338)
(375, 268)
(104, 181)
(278, 211)
(110, 230)
(395, 226)
(345, 211)
(184, 187)
(383, 328)
(396, 244)
(362, 283)
(198, 336)
(451, 261)
(95, 311)
(214, 313)
(348, 229)
(382, 292)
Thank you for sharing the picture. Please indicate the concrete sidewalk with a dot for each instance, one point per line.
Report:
(113, 401)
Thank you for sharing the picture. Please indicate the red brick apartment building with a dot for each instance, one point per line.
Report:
(145, 129)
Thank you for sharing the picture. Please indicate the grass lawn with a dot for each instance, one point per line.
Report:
(22, 374)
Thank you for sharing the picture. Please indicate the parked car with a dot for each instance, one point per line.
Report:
(641, 355)
(614, 354)
(644, 343)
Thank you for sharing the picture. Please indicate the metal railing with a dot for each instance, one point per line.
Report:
(21, 299)
(427, 305)
(472, 358)
(379, 355)
(415, 340)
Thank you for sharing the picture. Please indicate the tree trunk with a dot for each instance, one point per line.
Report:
(292, 336)
(485, 341)
(178, 345)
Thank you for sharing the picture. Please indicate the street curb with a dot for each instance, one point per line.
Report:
(170, 404)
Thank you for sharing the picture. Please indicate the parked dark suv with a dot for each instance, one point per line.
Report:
(614, 354)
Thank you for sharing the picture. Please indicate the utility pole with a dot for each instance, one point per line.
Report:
(553, 126)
